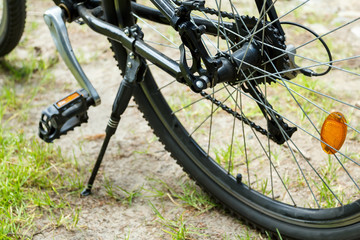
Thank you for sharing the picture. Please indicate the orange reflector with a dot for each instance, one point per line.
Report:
(333, 132)
(68, 99)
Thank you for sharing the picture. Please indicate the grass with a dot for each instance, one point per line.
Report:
(24, 79)
(36, 178)
(330, 176)
(186, 192)
(229, 156)
(121, 194)
(35, 184)
(177, 228)
(21, 70)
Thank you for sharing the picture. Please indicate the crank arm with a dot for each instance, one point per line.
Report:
(54, 18)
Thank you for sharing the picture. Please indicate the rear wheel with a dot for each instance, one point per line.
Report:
(12, 24)
(222, 139)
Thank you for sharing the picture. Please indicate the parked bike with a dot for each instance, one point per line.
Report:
(267, 125)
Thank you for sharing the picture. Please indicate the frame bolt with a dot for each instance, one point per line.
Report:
(199, 84)
(131, 55)
(239, 178)
(129, 65)
(126, 31)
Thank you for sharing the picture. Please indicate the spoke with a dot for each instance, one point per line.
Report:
(265, 152)
(319, 63)
(263, 32)
(218, 24)
(236, 13)
(211, 121)
(321, 36)
(251, 38)
(291, 121)
(232, 133)
(268, 138)
(270, 23)
(316, 105)
(153, 28)
(307, 116)
(298, 126)
(223, 26)
(287, 138)
(162, 44)
(328, 63)
(273, 77)
(352, 179)
(213, 94)
(244, 139)
(198, 100)
(309, 89)
(209, 116)
(166, 85)
(316, 128)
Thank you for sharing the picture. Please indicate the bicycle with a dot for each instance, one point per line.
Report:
(12, 23)
(226, 115)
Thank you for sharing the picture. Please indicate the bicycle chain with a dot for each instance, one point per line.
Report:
(238, 116)
(211, 11)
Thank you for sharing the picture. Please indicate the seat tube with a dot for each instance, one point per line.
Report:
(119, 10)
(123, 10)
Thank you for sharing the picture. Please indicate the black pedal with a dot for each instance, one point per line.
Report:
(64, 115)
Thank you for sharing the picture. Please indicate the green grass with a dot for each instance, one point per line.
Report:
(21, 70)
(177, 228)
(121, 194)
(34, 184)
(231, 156)
(23, 80)
(36, 179)
(185, 192)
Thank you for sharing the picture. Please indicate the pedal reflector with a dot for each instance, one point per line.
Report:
(333, 132)
(67, 99)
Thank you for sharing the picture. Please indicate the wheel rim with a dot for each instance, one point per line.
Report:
(319, 182)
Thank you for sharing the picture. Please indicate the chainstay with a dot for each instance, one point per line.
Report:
(238, 115)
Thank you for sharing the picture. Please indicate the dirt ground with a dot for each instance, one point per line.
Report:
(134, 155)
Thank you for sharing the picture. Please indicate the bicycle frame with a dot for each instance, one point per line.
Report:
(129, 39)
(221, 68)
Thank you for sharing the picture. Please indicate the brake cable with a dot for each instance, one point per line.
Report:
(306, 71)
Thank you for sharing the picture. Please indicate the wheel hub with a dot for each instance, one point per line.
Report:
(270, 44)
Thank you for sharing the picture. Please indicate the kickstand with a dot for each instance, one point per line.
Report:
(134, 73)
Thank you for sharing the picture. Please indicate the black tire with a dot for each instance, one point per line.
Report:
(249, 203)
(12, 24)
